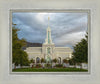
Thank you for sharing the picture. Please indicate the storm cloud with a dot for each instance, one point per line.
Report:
(66, 28)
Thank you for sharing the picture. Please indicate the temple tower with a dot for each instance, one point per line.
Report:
(48, 39)
(48, 46)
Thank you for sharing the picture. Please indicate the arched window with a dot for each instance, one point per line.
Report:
(59, 60)
(37, 60)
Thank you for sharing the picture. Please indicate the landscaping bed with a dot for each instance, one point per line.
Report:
(49, 70)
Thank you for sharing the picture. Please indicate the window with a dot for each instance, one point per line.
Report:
(37, 60)
(59, 59)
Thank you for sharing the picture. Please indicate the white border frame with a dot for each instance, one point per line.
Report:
(51, 11)
(92, 78)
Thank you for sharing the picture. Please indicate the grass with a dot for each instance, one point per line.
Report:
(49, 70)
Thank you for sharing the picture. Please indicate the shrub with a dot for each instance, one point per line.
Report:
(38, 65)
(47, 65)
(58, 65)
(49, 70)
(54, 60)
(43, 60)
(65, 61)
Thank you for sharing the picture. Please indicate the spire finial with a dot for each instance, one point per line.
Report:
(48, 20)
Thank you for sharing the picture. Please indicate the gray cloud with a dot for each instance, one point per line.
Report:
(67, 28)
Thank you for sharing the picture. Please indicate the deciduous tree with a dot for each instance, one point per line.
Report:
(18, 55)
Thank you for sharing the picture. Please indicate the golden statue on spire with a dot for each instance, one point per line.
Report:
(48, 18)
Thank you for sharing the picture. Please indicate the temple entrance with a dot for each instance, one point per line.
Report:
(48, 60)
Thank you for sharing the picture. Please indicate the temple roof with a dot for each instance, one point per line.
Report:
(63, 49)
(34, 49)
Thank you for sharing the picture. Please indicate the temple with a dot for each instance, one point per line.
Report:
(48, 51)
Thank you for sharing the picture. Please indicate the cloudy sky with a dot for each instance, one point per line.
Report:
(66, 28)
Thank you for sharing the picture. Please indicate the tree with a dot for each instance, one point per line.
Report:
(80, 53)
(42, 60)
(72, 61)
(65, 61)
(32, 61)
(18, 55)
(55, 60)
(23, 57)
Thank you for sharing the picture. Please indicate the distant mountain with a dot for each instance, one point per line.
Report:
(28, 44)
(33, 44)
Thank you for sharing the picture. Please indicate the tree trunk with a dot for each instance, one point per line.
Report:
(81, 65)
(21, 66)
(15, 67)
(75, 65)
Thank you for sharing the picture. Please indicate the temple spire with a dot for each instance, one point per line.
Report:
(48, 39)
(48, 20)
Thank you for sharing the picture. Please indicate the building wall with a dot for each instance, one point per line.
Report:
(56, 52)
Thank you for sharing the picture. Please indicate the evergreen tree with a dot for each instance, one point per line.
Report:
(80, 53)
(55, 60)
(32, 61)
(42, 60)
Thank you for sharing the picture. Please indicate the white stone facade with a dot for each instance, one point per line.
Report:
(59, 53)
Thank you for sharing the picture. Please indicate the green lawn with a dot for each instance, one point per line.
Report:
(50, 70)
